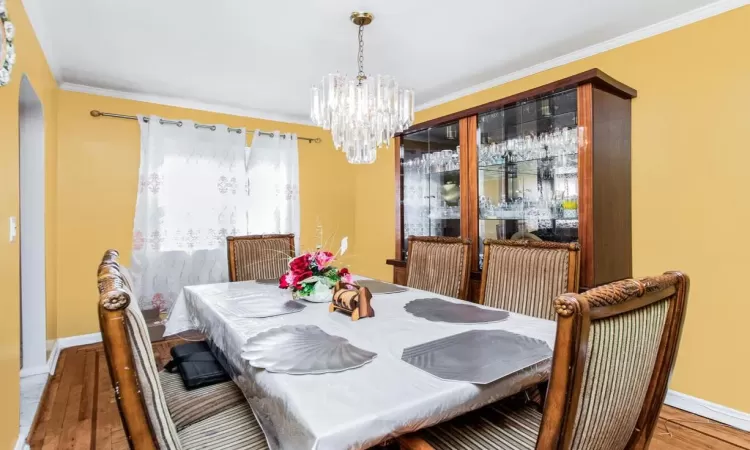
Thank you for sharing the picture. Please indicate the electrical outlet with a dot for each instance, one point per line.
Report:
(13, 229)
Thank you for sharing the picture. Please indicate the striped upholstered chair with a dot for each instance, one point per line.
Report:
(525, 276)
(156, 410)
(439, 265)
(615, 348)
(259, 256)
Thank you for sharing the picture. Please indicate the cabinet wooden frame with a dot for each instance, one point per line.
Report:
(604, 185)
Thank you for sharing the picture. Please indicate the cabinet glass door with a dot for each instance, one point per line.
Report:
(430, 183)
(528, 171)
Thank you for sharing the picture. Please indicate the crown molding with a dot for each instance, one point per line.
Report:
(672, 23)
(184, 103)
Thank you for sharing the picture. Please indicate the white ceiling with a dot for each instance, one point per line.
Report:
(263, 56)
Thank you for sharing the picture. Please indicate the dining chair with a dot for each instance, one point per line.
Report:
(157, 411)
(259, 256)
(439, 264)
(524, 276)
(614, 350)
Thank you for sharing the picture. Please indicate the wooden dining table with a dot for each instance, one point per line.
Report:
(361, 407)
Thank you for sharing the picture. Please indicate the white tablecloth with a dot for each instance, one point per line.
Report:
(358, 408)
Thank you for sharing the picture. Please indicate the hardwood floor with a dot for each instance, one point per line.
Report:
(78, 411)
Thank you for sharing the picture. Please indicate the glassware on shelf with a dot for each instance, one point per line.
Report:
(445, 212)
(562, 208)
(570, 207)
(434, 162)
(557, 143)
(528, 169)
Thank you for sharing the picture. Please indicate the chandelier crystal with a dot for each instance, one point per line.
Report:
(362, 113)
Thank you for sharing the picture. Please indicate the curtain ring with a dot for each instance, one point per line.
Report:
(179, 123)
(213, 127)
(161, 121)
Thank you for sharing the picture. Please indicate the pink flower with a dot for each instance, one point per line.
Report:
(346, 277)
(286, 280)
(322, 259)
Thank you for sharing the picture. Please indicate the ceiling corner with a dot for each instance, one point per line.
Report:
(186, 103)
(681, 20)
(35, 14)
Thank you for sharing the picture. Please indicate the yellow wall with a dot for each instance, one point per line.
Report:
(690, 194)
(31, 62)
(97, 185)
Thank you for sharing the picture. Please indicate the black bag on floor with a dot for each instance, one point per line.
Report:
(196, 364)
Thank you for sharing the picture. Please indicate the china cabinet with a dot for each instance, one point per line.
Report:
(552, 163)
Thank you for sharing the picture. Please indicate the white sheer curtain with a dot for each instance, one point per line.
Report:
(192, 195)
(273, 188)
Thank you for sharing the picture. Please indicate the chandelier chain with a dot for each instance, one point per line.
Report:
(361, 55)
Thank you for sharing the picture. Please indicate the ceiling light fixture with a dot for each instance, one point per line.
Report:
(362, 113)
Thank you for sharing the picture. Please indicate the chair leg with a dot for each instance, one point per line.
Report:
(411, 442)
(537, 395)
(543, 393)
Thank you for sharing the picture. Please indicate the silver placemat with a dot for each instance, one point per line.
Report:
(379, 287)
(259, 307)
(477, 356)
(303, 349)
(271, 281)
(439, 310)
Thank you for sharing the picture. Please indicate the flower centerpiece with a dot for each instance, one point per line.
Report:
(311, 276)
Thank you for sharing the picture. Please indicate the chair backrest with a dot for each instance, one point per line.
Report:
(615, 348)
(260, 256)
(439, 265)
(525, 276)
(132, 367)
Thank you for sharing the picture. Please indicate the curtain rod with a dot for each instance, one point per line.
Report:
(96, 113)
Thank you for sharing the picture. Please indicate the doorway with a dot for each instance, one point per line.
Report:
(31, 232)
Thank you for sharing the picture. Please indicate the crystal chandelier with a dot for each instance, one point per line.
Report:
(362, 113)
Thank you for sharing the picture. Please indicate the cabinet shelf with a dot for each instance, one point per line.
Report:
(529, 218)
(519, 161)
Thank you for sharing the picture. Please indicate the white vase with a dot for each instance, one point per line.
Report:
(321, 294)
